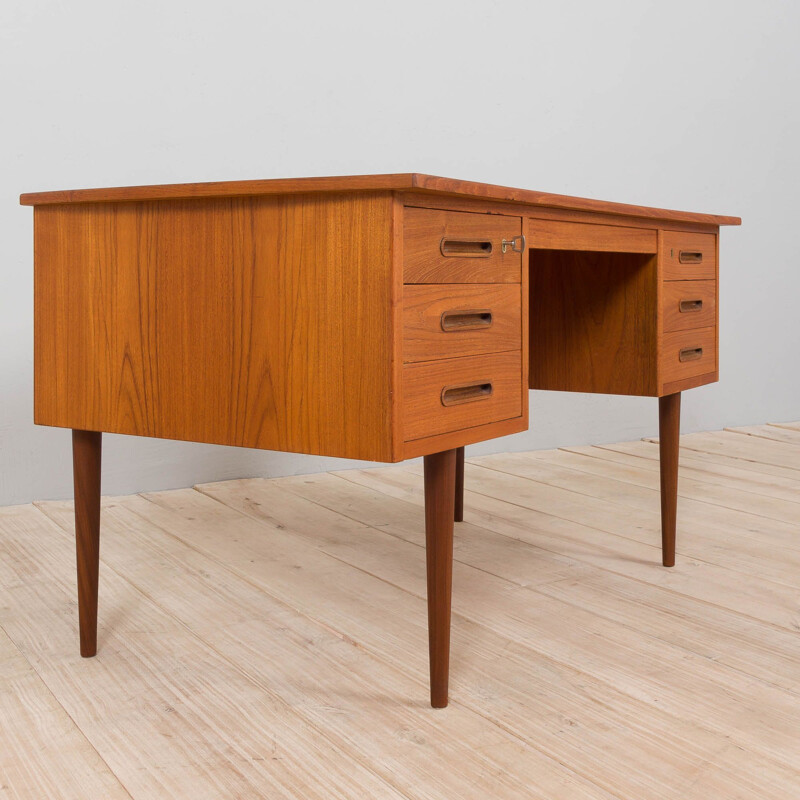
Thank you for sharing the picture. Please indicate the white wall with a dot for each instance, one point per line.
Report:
(690, 105)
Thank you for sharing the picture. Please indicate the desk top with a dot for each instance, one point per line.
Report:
(409, 181)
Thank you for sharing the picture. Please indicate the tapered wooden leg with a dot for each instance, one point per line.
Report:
(458, 516)
(440, 485)
(669, 429)
(86, 452)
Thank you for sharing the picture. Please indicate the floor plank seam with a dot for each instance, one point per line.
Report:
(761, 436)
(681, 494)
(725, 727)
(49, 689)
(258, 683)
(695, 448)
(654, 469)
(573, 604)
(711, 459)
(656, 547)
(654, 492)
(556, 551)
(374, 654)
(518, 642)
(409, 674)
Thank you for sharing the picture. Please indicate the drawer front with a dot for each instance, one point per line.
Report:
(451, 394)
(460, 247)
(444, 321)
(689, 304)
(689, 256)
(687, 354)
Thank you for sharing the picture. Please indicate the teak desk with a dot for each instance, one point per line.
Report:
(377, 317)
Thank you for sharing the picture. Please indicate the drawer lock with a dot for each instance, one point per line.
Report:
(517, 244)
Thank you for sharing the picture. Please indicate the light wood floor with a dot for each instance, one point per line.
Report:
(267, 638)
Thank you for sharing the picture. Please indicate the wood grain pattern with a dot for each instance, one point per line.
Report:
(485, 678)
(398, 212)
(86, 468)
(465, 436)
(547, 234)
(703, 474)
(673, 369)
(681, 385)
(491, 206)
(172, 715)
(425, 415)
(262, 322)
(590, 648)
(458, 513)
(678, 245)
(774, 432)
(426, 230)
(593, 322)
(752, 449)
(44, 753)
(676, 683)
(440, 485)
(669, 433)
(396, 182)
(681, 310)
(425, 338)
(579, 518)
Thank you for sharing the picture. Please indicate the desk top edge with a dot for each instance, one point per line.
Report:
(410, 181)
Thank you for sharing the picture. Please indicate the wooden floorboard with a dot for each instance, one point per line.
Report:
(169, 715)
(792, 426)
(364, 706)
(267, 638)
(43, 752)
(772, 432)
(551, 526)
(752, 449)
(699, 473)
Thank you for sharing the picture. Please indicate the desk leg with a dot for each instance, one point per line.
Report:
(86, 451)
(669, 430)
(440, 484)
(459, 511)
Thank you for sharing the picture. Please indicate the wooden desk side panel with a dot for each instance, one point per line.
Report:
(260, 322)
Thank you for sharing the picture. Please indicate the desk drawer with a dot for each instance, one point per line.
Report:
(444, 321)
(460, 247)
(455, 393)
(689, 256)
(689, 304)
(687, 354)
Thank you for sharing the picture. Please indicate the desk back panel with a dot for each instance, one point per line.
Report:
(253, 321)
(593, 322)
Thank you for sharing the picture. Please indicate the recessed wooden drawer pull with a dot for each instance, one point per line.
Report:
(690, 354)
(466, 320)
(687, 306)
(690, 257)
(466, 393)
(465, 248)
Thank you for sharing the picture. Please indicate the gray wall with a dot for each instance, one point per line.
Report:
(690, 105)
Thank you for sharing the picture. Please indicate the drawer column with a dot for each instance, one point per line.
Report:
(440, 486)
